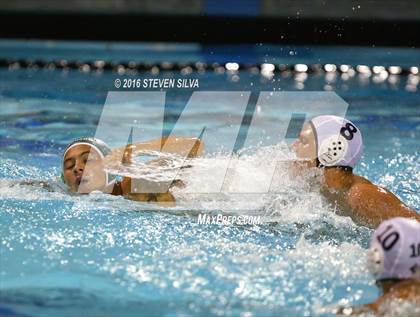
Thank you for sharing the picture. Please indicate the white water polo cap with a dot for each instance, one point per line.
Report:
(394, 251)
(338, 141)
(100, 146)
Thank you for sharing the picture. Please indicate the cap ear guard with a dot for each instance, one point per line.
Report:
(393, 249)
(332, 150)
(375, 260)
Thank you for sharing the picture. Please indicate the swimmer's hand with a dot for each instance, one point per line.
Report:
(185, 147)
(120, 155)
(127, 157)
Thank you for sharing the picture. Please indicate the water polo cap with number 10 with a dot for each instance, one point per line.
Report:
(394, 251)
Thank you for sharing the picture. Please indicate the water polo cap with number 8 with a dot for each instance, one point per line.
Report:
(338, 141)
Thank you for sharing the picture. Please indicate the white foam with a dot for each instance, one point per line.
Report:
(290, 199)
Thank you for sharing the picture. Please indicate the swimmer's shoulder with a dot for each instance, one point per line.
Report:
(360, 180)
(360, 187)
(363, 191)
(372, 204)
(406, 290)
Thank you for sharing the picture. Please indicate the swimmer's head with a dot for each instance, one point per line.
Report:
(83, 169)
(394, 250)
(330, 141)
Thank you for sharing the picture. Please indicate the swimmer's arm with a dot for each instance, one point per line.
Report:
(187, 147)
(164, 199)
(42, 184)
(371, 204)
(190, 147)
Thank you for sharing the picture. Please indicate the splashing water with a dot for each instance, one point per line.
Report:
(97, 250)
(100, 255)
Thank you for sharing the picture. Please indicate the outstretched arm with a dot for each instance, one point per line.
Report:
(189, 147)
(186, 147)
(371, 204)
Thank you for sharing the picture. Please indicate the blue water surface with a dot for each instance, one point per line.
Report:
(98, 255)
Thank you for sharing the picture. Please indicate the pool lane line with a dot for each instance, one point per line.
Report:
(187, 68)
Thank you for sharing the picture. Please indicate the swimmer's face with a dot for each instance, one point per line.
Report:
(83, 169)
(305, 145)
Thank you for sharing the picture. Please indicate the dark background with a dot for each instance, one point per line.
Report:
(340, 22)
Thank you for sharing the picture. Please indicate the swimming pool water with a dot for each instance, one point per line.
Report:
(98, 255)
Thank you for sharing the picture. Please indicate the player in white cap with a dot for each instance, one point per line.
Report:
(394, 260)
(336, 145)
(84, 159)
